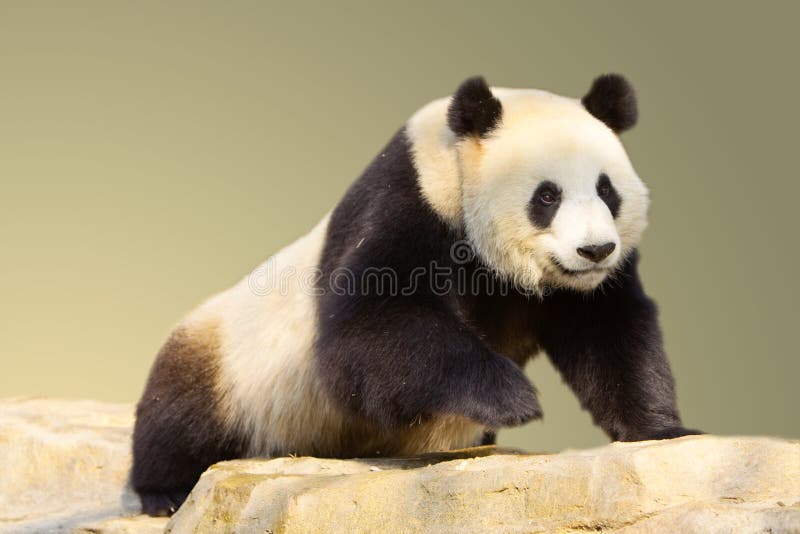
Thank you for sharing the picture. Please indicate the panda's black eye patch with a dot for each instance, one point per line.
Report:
(609, 195)
(544, 204)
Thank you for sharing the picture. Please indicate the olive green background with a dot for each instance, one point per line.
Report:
(151, 153)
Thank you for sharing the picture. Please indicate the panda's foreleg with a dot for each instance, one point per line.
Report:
(400, 360)
(608, 348)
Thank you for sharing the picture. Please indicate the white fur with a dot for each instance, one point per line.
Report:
(436, 160)
(267, 325)
(542, 136)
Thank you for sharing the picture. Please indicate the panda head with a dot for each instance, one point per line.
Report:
(548, 194)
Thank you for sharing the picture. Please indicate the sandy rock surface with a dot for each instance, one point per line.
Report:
(65, 465)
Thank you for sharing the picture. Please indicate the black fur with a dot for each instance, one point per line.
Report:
(178, 432)
(609, 195)
(474, 110)
(539, 212)
(400, 358)
(608, 347)
(612, 100)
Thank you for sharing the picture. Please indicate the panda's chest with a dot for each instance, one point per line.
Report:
(506, 322)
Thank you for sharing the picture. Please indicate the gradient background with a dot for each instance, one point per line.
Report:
(152, 153)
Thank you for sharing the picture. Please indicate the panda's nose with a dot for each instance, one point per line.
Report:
(596, 252)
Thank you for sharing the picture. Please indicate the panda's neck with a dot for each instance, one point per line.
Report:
(435, 156)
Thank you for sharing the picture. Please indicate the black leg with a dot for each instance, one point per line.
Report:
(608, 348)
(178, 431)
(401, 359)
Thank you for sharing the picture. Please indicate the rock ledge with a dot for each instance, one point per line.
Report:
(65, 466)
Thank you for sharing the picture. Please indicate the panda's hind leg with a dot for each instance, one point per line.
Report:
(179, 429)
(168, 462)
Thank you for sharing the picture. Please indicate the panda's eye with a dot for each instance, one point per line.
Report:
(603, 186)
(544, 203)
(547, 197)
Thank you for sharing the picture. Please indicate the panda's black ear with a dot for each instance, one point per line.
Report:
(474, 110)
(612, 100)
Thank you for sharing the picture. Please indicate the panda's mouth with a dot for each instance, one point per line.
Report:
(576, 272)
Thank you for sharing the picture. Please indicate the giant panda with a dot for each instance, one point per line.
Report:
(497, 223)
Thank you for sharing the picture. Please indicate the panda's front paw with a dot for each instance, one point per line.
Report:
(671, 432)
(507, 398)
(520, 411)
(503, 412)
